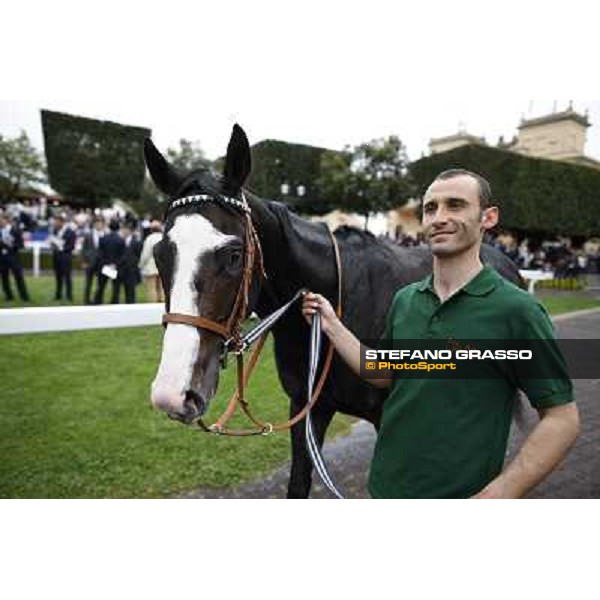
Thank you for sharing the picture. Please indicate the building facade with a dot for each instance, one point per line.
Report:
(557, 136)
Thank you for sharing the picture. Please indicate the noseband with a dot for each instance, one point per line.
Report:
(229, 330)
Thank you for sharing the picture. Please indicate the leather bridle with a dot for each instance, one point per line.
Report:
(230, 330)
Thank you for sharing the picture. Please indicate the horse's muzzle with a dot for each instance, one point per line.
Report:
(182, 407)
(195, 403)
(194, 406)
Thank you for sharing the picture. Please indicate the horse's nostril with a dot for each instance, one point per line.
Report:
(194, 403)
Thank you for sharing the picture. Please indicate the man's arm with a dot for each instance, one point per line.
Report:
(543, 450)
(344, 341)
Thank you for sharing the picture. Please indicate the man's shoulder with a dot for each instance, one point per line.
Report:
(514, 297)
(522, 310)
(406, 291)
(405, 294)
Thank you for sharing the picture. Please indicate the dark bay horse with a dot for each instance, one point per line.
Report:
(201, 259)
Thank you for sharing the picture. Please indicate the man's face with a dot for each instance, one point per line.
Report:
(99, 225)
(452, 217)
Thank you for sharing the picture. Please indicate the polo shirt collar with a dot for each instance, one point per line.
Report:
(426, 284)
(483, 283)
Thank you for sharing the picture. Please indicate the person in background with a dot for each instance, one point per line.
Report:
(146, 226)
(128, 271)
(11, 241)
(90, 256)
(62, 242)
(110, 254)
(154, 290)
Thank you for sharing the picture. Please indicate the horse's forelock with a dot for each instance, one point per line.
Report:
(200, 181)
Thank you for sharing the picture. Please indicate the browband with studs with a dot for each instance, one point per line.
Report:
(199, 198)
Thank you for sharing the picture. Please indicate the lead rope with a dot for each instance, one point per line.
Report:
(313, 447)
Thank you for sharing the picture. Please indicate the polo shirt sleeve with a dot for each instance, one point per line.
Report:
(552, 385)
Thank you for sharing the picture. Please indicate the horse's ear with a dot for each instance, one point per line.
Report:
(166, 178)
(238, 162)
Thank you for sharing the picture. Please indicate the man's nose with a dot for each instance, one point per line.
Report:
(440, 215)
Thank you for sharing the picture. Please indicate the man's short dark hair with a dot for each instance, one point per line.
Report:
(485, 189)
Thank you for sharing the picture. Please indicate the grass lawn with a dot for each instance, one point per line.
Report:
(75, 421)
(563, 302)
(42, 291)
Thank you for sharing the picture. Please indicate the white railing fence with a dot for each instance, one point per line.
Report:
(76, 318)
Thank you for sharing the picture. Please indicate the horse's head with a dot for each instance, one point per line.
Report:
(201, 262)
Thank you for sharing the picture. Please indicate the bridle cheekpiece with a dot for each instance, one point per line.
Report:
(230, 331)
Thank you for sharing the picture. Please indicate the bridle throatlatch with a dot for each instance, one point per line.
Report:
(236, 343)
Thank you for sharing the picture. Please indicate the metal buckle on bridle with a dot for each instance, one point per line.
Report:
(227, 349)
(216, 429)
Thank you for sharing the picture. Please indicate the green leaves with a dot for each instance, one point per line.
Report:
(188, 157)
(93, 162)
(533, 194)
(371, 177)
(20, 164)
(289, 173)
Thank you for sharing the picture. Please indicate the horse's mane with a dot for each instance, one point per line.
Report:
(363, 238)
(347, 232)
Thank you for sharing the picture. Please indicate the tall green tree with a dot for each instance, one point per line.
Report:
(188, 156)
(371, 177)
(21, 165)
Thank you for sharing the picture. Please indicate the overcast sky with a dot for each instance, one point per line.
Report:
(414, 122)
(321, 73)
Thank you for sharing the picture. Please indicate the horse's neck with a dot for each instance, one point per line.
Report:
(296, 253)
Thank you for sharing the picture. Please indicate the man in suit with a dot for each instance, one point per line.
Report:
(128, 271)
(110, 254)
(62, 241)
(90, 256)
(11, 241)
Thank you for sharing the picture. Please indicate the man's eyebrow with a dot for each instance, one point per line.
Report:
(445, 199)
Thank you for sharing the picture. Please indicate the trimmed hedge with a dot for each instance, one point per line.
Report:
(275, 163)
(92, 162)
(533, 193)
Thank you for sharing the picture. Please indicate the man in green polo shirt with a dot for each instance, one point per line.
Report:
(447, 437)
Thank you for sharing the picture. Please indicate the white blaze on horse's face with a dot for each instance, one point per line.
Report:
(193, 236)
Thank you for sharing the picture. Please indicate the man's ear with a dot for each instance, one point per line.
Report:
(490, 218)
(166, 178)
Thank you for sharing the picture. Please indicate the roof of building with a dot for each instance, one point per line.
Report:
(457, 137)
(568, 114)
(586, 161)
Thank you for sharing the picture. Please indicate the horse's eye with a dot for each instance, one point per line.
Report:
(234, 261)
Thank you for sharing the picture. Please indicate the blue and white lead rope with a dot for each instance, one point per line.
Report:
(313, 447)
(314, 353)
